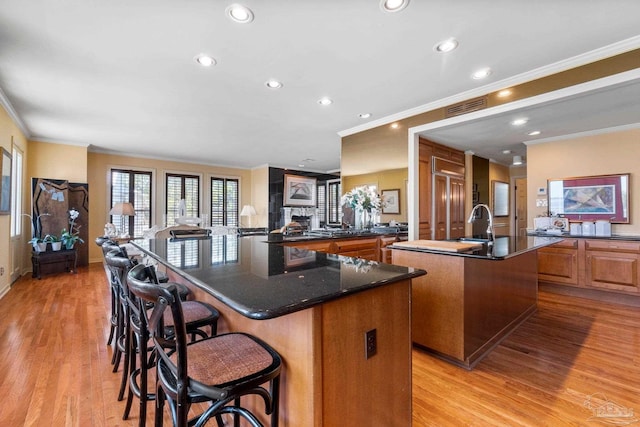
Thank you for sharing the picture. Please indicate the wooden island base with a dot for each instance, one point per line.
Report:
(327, 380)
(465, 306)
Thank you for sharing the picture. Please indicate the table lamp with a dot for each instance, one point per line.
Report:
(122, 209)
(248, 210)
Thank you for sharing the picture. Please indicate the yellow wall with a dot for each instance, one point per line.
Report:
(384, 180)
(98, 166)
(592, 155)
(57, 161)
(259, 198)
(10, 135)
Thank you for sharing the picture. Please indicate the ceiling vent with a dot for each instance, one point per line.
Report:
(466, 107)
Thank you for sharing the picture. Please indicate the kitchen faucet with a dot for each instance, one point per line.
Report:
(490, 227)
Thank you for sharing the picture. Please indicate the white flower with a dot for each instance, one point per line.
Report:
(364, 198)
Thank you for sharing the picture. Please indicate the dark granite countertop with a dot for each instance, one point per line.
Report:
(262, 280)
(573, 236)
(503, 247)
(335, 234)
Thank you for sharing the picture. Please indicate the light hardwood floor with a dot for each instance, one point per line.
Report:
(55, 369)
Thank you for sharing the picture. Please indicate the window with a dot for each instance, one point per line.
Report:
(16, 192)
(134, 187)
(334, 209)
(180, 187)
(224, 202)
(321, 198)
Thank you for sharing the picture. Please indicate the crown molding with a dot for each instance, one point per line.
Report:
(4, 101)
(540, 72)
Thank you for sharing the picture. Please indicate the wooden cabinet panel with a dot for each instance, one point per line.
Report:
(440, 207)
(610, 265)
(424, 190)
(559, 265)
(610, 270)
(457, 218)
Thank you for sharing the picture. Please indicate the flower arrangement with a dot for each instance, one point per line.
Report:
(69, 238)
(362, 198)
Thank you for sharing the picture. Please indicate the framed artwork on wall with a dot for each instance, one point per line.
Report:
(299, 190)
(590, 198)
(5, 184)
(391, 201)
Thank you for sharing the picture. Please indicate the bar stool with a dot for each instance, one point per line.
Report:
(219, 369)
(137, 358)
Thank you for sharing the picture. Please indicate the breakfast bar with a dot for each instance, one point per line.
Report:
(319, 311)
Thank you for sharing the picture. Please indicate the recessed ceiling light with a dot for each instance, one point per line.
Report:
(519, 122)
(446, 45)
(534, 133)
(481, 74)
(364, 115)
(205, 60)
(504, 93)
(325, 101)
(273, 84)
(393, 5)
(239, 13)
(506, 151)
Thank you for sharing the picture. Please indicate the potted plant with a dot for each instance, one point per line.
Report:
(69, 239)
(56, 244)
(38, 244)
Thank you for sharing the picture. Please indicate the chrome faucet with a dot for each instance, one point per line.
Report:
(490, 227)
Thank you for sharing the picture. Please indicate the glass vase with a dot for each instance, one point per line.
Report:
(363, 220)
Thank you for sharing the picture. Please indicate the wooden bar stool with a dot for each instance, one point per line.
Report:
(219, 369)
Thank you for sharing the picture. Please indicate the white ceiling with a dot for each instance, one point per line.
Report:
(119, 76)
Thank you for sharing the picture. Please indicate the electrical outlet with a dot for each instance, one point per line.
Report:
(370, 343)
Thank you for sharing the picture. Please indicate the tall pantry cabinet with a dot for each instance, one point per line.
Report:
(441, 191)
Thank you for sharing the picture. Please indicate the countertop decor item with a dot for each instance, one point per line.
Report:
(363, 200)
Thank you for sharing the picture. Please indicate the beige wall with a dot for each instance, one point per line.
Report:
(259, 197)
(384, 180)
(100, 164)
(11, 135)
(57, 161)
(592, 155)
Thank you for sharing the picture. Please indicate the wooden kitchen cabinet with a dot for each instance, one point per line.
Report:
(607, 265)
(357, 248)
(424, 189)
(559, 263)
(612, 265)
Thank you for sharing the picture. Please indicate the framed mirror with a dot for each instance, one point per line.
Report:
(500, 198)
(590, 198)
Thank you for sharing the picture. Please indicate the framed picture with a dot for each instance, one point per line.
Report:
(391, 201)
(299, 191)
(5, 184)
(591, 198)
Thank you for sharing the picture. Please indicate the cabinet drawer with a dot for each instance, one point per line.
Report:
(354, 245)
(612, 246)
(566, 244)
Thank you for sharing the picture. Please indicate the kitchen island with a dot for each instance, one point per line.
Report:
(474, 295)
(315, 309)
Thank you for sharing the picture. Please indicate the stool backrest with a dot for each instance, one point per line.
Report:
(162, 296)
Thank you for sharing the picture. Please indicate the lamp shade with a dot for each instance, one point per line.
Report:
(122, 209)
(517, 160)
(248, 210)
